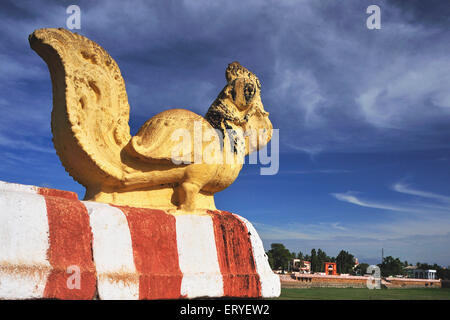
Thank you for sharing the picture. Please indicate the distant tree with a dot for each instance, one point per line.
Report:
(426, 266)
(345, 262)
(360, 269)
(443, 273)
(315, 264)
(391, 266)
(293, 256)
(270, 259)
(279, 256)
(322, 258)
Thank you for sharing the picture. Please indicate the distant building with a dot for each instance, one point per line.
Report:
(415, 273)
(305, 268)
(330, 268)
(425, 274)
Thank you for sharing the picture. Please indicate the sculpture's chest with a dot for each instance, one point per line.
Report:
(225, 176)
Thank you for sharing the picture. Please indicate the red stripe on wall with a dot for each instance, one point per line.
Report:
(235, 254)
(154, 241)
(58, 193)
(70, 239)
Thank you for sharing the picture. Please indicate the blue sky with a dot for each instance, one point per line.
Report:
(364, 115)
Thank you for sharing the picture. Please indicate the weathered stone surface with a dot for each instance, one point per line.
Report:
(124, 252)
(92, 136)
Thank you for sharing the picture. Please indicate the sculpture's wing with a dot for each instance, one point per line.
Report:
(175, 135)
(90, 105)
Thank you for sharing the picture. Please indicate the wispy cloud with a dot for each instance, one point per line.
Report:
(21, 144)
(14, 69)
(337, 225)
(303, 172)
(430, 217)
(326, 84)
(352, 198)
(314, 171)
(402, 188)
(386, 230)
(301, 231)
(404, 235)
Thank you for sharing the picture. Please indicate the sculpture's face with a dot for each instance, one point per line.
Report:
(244, 91)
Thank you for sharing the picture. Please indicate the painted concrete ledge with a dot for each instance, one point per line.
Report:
(53, 245)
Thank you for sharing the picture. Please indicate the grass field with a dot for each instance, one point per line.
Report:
(363, 294)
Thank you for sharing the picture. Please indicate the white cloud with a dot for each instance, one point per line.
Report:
(320, 171)
(350, 197)
(387, 230)
(409, 90)
(402, 188)
(14, 69)
(301, 88)
(21, 144)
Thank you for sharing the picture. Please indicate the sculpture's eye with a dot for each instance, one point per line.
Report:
(249, 91)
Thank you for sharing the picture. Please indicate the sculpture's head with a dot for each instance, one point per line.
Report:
(239, 104)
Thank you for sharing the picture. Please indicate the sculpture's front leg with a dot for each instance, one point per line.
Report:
(195, 178)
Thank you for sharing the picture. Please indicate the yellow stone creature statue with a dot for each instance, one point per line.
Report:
(92, 136)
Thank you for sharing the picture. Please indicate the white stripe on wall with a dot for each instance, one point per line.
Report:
(198, 257)
(14, 187)
(113, 252)
(24, 267)
(270, 282)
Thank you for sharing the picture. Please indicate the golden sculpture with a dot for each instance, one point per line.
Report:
(92, 136)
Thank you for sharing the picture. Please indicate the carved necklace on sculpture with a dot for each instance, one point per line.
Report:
(219, 114)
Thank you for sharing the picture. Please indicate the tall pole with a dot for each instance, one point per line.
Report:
(382, 255)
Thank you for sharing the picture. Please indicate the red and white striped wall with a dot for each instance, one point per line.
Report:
(124, 252)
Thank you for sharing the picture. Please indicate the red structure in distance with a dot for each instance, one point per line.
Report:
(330, 268)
